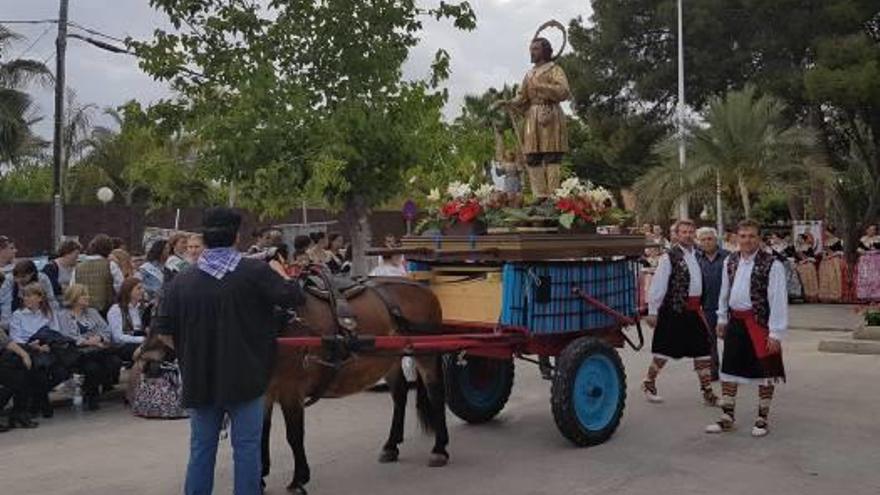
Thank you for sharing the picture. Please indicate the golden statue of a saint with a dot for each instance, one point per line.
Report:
(543, 134)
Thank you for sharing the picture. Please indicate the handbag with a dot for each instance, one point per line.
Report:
(158, 391)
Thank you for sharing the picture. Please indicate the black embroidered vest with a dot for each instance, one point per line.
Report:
(759, 283)
(679, 281)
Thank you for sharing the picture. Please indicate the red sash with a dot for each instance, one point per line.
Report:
(695, 304)
(757, 333)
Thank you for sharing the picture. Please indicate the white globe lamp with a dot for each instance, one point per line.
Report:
(105, 195)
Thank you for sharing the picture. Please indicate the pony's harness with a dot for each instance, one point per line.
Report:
(339, 348)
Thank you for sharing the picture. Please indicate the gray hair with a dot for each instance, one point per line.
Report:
(707, 230)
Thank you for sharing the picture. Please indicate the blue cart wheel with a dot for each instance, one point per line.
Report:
(589, 392)
(477, 388)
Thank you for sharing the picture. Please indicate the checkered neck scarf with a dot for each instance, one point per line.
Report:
(218, 262)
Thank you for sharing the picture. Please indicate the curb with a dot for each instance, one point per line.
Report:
(864, 347)
(867, 333)
(824, 329)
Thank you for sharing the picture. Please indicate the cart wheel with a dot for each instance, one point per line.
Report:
(477, 390)
(589, 392)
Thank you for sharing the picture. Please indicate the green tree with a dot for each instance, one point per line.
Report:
(16, 106)
(817, 56)
(843, 84)
(29, 182)
(449, 152)
(611, 150)
(290, 92)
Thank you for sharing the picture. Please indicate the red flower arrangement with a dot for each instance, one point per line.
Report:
(462, 210)
(579, 207)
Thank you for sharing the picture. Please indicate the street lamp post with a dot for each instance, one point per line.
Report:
(105, 196)
(683, 204)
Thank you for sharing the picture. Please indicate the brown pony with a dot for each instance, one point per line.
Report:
(300, 374)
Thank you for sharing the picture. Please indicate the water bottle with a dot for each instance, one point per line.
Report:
(77, 394)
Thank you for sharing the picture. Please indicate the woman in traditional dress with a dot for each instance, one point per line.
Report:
(806, 266)
(833, 273)
(868, 271)
(649, 265)
(785, 253)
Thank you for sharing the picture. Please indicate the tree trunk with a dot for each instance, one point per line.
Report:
(744, 196)
(795, 207)
(356, 220)
(817, 198)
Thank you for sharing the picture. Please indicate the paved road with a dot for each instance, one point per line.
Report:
(824, 441)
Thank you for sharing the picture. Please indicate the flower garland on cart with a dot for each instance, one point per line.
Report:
(463, 209)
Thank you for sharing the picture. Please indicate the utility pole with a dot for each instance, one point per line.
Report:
(683, 205)
(58, 140)
(719, 214)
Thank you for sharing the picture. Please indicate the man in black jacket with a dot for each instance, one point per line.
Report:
(220, 315)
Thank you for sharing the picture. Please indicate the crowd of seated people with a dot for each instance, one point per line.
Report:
(84, 315)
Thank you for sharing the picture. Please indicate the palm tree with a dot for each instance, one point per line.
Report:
(77, 136)
(482, 111)
(745, 144)
(139, 164)
(16, 106)
(77, 128)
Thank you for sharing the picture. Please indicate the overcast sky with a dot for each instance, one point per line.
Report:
(494, 54)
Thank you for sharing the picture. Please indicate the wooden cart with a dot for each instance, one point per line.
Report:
(528, 296)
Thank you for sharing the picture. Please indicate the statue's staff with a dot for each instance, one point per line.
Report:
(517, 129)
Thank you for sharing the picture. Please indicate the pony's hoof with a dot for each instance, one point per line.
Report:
(297, 489)
(389, 456)
(438, 460)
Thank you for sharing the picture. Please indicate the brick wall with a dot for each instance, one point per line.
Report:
(29, 224)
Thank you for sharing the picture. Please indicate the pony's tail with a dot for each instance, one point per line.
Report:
(423, 400)
(423, 406)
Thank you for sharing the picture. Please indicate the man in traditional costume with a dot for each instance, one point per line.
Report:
(752, 319)
(544, 136)
(675, 312)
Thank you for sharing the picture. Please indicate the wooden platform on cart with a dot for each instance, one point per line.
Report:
(521, 247)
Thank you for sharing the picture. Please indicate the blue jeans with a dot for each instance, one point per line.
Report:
(246, 434)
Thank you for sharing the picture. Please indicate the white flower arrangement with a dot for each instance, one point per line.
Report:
(600, 195)
(434, 195)
(459, 190)
(572, 187)
(581, 202)
(484, 192)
